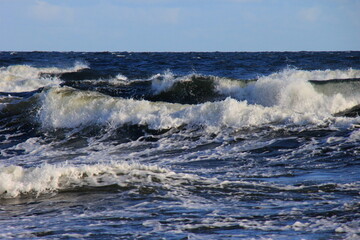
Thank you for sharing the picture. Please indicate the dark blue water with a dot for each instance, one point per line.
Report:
(119, 145)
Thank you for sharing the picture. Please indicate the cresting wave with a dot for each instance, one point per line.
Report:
(22, 78)
(290, 85)
(16, 181)
(287, 97)
(167, 80)
(267, 101)
(69, 108)
(197, 88)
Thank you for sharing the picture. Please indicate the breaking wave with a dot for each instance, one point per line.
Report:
(282, 98)
(287, 97)
(16, 181)
(23, 78)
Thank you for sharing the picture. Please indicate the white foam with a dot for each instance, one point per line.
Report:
(282, 98)
(165, 81)
(304, 75)
(68, 108)
(16, 180)
(22, 78)
(269, 88)
(119, 79)
(354, 136)
(290, 89)
(162, 82)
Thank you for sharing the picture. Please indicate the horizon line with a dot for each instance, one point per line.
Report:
(213, 51)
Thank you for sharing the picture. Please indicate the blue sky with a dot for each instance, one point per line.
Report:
(179, 25)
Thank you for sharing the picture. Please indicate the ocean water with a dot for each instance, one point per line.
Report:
(120, 145)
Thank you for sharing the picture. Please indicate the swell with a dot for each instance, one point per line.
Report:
(189, 89)
(193, 89)
(18, 120)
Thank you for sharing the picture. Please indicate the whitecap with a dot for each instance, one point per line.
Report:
(23, 78)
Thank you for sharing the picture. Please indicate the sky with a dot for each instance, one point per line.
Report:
(179, 25)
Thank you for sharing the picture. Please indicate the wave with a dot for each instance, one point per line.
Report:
(166, 86)
(64, 107)
(268, 90)
(17, 181)
(287, 97)
(189, 89)
(23, 78)
(196, 88)
(345, 87)
(288, 85)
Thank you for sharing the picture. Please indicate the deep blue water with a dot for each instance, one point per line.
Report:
(120, 145)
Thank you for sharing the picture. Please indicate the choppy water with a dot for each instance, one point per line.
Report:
(180, 145)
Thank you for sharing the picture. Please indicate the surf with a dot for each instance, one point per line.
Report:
(16, 181)
(24, 78)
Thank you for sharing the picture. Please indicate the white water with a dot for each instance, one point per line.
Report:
(163, 82)
(281, 98)
(16, 180)
(22, 78)
(290, 88)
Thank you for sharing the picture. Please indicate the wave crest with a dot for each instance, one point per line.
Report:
(24, 78)
(16, 181)
(269, 100)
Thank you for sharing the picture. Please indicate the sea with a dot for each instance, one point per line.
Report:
(180, 145)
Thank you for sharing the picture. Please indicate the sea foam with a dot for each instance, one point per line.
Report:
(282, 98)
(23, 78)
(287, 87)
(16, 180)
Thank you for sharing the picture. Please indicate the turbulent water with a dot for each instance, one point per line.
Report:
(119, 145)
